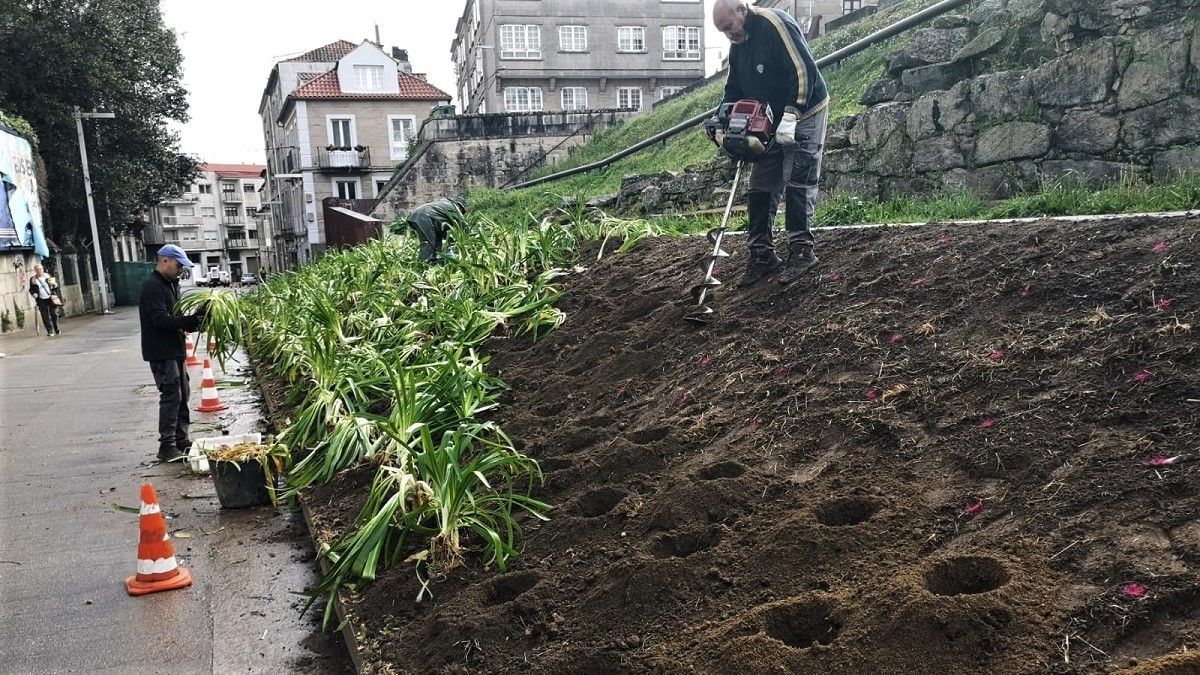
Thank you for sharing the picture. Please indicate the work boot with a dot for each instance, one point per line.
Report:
(800, 260)
(171, 455)
(761, 265)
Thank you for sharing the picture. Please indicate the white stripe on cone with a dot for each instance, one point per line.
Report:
(156, 566)
(148, 509)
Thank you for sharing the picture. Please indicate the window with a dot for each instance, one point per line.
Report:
(210, 236)
(629, 98)
(247, 187)
(204, 189)
(171, 236)
(232, 212)
(346, 189)
(402, 129)
(851, 5)
(574, 98)
(228, 186)
(681, 43)
(379, 186)
(631, 39)
(188, 235)
(208, 212)
(520, 42)
(252, 234)
(572, 38)
(341, 132)
(667, 92)
(522, 99)
(369, 77)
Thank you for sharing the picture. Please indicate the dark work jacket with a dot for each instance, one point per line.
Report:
(432, 223)
(162, 332)
(775, 66)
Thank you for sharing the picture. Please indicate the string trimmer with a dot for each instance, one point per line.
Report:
(743, 131)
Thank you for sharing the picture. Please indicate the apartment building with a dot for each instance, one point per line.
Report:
(213, 220)
(336, 121)
(533, 55)
(814, 15)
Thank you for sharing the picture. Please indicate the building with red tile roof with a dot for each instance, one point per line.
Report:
(337, 121)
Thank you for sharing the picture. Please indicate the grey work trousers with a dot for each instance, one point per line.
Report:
(791, 173)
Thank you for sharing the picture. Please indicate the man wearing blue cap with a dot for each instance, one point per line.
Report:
(163, 348)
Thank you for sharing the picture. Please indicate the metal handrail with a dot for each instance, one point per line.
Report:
(827, 60)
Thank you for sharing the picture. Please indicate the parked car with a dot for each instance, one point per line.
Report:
(249, 280)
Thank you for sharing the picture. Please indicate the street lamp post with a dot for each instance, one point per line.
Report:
(87, 188)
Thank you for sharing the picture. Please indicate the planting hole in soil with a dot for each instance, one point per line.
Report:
(599, 502)
(510, 587)
(966, 576)
(721, 470)
(644, 436)
(847, 511)
(802, 625)
(684, 544)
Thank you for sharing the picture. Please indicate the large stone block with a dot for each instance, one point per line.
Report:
(1084, 76)
(881, 91)
(841, 161)
(1090, 172)
(878, 124)
(986, 41)
(1161, 125)
(1087, 131)
(931, 45)
(936, 77)
(892, 159)
(937, 154)
(1160, 59)
(992, 182)
(1170, 163)
(937, 112)
(1002, 96)
(1010, 141)
(862, 184)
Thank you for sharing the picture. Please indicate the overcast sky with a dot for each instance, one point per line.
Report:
(229, 48)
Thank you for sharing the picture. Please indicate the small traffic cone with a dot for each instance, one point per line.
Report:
(157, 569)
(190, 349)
(209, 401)
(212, 346)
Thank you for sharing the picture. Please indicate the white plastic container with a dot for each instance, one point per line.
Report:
(198, 460)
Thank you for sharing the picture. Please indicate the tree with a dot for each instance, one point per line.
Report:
(110, 55)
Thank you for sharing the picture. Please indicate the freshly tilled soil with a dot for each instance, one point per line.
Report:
(933, 454)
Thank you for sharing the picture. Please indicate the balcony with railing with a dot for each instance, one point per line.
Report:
(357, 158)
(233, 243)
(231, 196)
(181, 221)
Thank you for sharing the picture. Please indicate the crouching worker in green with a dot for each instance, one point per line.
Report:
(432, 223)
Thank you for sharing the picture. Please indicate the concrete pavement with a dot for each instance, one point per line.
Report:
(78, 436)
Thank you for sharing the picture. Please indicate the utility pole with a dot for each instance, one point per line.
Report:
(87, 188)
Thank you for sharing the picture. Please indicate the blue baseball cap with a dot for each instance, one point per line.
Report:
(173, 251)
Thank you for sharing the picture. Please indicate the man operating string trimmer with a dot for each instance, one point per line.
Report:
(770, 62)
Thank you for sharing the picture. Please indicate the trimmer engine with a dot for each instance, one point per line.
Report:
(742, 129)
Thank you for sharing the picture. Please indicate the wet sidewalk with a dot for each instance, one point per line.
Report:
(77, 440)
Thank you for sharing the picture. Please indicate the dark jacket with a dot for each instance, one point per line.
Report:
(432, 223)
(34, 290)
(162, 332)
(775, 66)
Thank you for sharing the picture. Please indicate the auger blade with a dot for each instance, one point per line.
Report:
(700, 315)
(715, 234)
(709, 284)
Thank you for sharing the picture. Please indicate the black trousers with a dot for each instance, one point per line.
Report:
(171, 378)
(49, 312)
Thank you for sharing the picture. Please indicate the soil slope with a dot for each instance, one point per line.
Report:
(941, 452)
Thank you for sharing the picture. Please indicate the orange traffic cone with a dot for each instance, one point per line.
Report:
(212, 346)
(209, 401)
(190, 349)
(156, 566)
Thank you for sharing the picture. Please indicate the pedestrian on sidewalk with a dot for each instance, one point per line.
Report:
(770, 62)
(163, 348)
(44, 290)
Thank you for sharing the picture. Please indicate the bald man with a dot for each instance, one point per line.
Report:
(770, 62)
